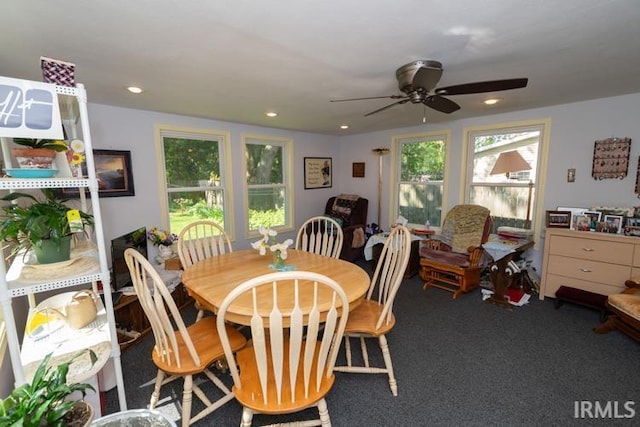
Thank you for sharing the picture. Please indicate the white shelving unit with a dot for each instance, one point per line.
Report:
(90, 267)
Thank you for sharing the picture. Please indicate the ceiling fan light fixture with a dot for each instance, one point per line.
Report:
(344, 126)
(491, 101)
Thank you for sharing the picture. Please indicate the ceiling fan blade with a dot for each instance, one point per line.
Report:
(403, 101)
(426, 78)
(370, 97)
(440, 103)
(481, 87)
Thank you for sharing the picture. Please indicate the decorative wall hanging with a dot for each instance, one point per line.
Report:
(611, 158)
(317, 172)
(358, 170)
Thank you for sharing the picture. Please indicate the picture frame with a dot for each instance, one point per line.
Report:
(615, 223)
(114, 173)
(318, 172)
(358, 170)
(594, 218)
(575, 212)
(582, 223)
(558, 219)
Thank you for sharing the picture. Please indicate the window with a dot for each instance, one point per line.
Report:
(510, 197)
(269, 195)
(197, 177)
(419, 176)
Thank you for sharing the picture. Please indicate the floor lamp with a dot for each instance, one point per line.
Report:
(512, 161)
(380, 152)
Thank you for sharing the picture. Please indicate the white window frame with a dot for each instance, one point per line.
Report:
(226, 181)
(396, 144)
(541, 125)
(287, 176)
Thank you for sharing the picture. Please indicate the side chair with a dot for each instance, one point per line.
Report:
(320, 235)
(199, 240)
(184, 352)
(288, 366)
(374, 318)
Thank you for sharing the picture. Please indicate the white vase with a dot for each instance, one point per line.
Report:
(165, 252)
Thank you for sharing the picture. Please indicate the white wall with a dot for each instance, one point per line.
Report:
(574, 128)
(126, 129)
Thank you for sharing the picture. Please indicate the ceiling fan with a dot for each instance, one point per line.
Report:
(418, 81)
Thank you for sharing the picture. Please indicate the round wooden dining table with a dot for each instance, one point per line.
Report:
(210, 280)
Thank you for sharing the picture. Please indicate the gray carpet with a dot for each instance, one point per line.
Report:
(457, 362)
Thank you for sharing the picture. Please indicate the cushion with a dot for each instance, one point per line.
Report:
(451, 258)
(627, 303)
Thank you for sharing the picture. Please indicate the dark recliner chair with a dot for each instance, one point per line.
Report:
(351, 210)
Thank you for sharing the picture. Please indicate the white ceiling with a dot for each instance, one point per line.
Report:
(234, 60)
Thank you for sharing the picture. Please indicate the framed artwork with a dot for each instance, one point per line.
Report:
(614, 222)
(559, 219)
(317, 172)
(611, 158)
(113, 170)
(358, 170)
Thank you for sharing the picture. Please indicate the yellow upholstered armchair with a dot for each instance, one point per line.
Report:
(624, 309)
(452, 260)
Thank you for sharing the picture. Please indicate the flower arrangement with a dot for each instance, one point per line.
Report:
(269, 241)
(160, 237)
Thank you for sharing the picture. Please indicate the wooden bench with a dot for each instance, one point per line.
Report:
(583, 298)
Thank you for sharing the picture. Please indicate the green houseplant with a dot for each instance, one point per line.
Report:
(45, 401)
(37, 153)
(42, 226)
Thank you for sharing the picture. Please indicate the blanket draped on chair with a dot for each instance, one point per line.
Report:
(464, 227)
(343, 205)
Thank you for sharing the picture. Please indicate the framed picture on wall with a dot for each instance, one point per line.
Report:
(317, 172)
(358, 170)
(113, 170)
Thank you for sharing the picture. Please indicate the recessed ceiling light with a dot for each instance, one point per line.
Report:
(135, 89)
(344, 126)
(271, 114)
(491, 101)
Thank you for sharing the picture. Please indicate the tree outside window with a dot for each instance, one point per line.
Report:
(268, 183)
(193, 164)
(420, 181)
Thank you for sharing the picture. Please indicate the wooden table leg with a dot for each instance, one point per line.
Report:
(501, 280)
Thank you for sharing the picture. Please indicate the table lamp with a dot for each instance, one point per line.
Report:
(512, 161)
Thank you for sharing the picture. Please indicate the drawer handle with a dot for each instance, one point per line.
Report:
(585, 270)
(587, 249)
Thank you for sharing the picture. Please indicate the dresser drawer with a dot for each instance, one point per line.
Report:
(595, 250)
(636, 256)
(591, 271)
(553, 282)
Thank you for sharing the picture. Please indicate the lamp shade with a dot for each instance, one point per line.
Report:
(509, 161)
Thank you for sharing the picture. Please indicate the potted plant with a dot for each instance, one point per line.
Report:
(37, 153)
(47, 400)
(42, 226)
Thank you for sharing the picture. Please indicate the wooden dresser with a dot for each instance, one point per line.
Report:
(595, 262)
